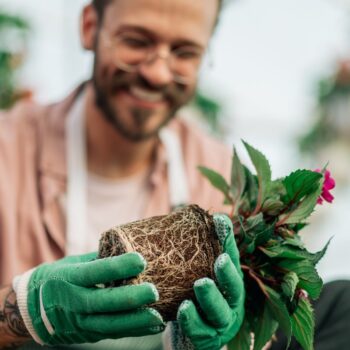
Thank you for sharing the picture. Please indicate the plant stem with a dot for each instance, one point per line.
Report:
(255, 277)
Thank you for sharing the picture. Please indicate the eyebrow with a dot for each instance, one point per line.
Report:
(145, 31)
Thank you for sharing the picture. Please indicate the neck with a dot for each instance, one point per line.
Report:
(109, 154)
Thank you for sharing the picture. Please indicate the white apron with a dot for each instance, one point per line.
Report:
(76, 204)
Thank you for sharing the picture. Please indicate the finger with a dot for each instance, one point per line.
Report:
(224, 230)
(212, 303)
(104, 270)
(192, 326)
(121, 298)
(88, 300)
(229, 280)
(124, 324)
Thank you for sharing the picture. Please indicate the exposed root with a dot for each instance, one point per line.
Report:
(179, 248)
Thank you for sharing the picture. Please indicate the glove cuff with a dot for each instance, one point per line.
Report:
(20, 286)
(173, 338)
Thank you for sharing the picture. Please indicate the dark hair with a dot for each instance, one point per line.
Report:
(100, 6)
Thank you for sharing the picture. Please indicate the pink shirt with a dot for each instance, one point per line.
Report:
(33, 178)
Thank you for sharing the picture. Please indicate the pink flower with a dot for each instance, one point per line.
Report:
(329, 184)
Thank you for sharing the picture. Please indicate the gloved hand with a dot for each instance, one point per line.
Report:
(61, 303)
(222, 306)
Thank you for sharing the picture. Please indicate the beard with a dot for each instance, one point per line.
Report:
(105, 88)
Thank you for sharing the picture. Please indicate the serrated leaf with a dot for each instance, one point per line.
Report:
(263, 171)
(309, 279)
(303, 324)
(251, 189)
(301, 183)
(280, 312)
(288, 252)
(238, 178)
(289, 284)
(319, 255)
(304, 209)
(264, 328)
(217, 180)
(242, 340)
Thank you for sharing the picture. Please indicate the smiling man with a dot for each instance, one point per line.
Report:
(146, 62)
(114, 151)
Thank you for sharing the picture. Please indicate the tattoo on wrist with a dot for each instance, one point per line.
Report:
(11, 316)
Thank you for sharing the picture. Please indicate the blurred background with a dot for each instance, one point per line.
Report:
(277, 75)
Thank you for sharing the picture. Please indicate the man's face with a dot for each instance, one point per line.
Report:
(140, 102)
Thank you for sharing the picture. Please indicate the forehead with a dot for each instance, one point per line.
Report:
(168, 19)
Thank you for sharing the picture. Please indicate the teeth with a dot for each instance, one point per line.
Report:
(146, 95)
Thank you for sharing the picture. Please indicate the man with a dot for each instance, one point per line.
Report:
(112, 153)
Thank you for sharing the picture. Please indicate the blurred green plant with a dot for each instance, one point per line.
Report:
(333, 108)
(13, 32)
(210, 110)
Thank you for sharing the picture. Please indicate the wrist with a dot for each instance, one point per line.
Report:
(20, 286)
(13, 331)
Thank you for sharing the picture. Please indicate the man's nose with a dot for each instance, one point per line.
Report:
(157, 71)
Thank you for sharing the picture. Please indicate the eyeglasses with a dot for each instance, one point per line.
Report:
(131, 50)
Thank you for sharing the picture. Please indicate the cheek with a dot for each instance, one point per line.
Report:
(104, 71)
(187, 93)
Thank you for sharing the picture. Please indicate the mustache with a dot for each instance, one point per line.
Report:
(124, 80)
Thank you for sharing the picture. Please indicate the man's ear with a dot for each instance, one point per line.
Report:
(88, 27)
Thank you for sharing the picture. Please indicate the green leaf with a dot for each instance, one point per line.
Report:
(289, 284)
(319, 255)
(303, 324)
(279, 311)
(301, 183)
(238, 178)
(309, 279)
(288, 252)
(264, 327)
(276, 189)
(217, 180)
(304, 209)
(263, 236)
(251, 190)
(272, 206)
(255, 223)
(299, 226)
(255, 229)
(294, 241)
(263, 171)
(243, 339)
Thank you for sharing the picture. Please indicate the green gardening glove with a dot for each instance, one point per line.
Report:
(61, 303)
(222, 306)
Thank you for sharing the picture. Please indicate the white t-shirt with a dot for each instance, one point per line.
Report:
(114, 202)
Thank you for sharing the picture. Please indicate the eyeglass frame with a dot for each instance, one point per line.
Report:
(106, 36)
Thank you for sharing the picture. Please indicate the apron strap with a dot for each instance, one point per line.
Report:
(178, 187)
(76, 204)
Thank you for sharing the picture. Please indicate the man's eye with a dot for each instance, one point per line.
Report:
(187, 54)
(136, 43)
